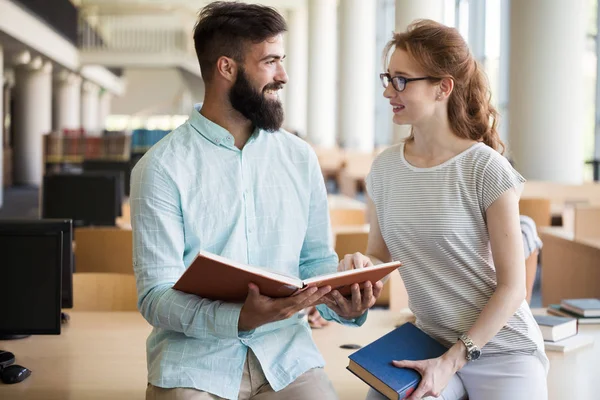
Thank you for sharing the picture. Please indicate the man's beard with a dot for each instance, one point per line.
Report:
(263, 113)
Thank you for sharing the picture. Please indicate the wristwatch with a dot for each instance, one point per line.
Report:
(473, 352)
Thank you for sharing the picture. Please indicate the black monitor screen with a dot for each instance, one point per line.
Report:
(117, 166)
(90, 198)
(30, 278)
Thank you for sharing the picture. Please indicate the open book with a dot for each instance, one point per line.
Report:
(218, 278)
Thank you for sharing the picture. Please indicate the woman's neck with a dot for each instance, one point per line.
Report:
(435, 139)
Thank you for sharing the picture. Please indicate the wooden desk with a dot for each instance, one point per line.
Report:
(570, 267)
(98, 355)
(572, 375)
(575, 375)
(101, 355)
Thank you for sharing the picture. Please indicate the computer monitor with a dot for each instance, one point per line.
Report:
(117, 166)
(31, 276)
(88, 198)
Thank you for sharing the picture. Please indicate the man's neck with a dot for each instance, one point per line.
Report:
(228, 118)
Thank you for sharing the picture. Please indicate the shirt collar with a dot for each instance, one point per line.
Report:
(214, 132)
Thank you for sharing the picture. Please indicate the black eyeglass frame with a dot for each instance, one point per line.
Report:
(397, 80)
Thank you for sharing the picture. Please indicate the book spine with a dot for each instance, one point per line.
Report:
(405, 393)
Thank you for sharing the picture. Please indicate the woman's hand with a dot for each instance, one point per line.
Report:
(435, 375)
(354, 261)
(358, 303)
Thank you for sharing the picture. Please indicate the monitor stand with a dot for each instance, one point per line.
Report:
(64, 318)
(13, 337)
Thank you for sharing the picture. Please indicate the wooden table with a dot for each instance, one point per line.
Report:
(101, 355)
(98, 355)
(572, 375)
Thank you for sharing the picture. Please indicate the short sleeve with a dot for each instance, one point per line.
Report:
(498, 177)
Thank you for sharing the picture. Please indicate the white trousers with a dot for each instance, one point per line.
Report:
(514, 377)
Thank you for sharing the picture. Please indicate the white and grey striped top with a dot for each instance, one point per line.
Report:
(433, 221)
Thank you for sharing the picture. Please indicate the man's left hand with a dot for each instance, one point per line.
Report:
(357, 304)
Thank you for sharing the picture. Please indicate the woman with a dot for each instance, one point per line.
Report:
(445, 203)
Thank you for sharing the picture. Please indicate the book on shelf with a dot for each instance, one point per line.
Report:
(556, 309)
(582, 307)
(569, 344)
(373, 363)
(218, 278)
(556, 328)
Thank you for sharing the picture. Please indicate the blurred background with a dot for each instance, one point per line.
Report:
(88, 86)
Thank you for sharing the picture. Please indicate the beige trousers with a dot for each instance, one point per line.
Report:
(313, 384)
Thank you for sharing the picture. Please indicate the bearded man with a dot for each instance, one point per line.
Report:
(229, 181)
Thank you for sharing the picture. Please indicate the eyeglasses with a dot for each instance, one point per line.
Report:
(10, 373)
(398, 82)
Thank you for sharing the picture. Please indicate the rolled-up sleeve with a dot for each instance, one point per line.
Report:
(158, 262)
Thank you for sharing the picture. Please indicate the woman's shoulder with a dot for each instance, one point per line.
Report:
(387, 156)
(483, 156)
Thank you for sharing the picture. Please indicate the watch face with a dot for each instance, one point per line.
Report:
(475, 354)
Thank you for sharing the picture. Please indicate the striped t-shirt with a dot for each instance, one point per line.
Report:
(433, 221)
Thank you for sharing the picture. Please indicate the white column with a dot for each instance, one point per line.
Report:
(547, 44)
(357, 69)
(1, 126)
(297, 69)
(90, 108)
(67, 101)
(322, 79)
(105, 103)
(476, 38)
(406, 12)
(33, 119)
(503, 72)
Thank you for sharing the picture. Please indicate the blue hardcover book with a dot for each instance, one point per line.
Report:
(583, 307)
(556, 328)
(373, 363)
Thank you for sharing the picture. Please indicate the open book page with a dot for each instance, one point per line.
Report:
(218, 278)
(343, 280)
(283, 278)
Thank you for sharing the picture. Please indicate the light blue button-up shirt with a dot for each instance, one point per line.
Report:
(264, 205)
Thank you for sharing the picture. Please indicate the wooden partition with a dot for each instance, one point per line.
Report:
(570, 268)
(586, 222)
(104, 292)
(107, 249)
(356, 168)
(347, 216)
(538, 209)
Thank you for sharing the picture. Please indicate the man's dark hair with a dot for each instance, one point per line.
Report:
(226, 28)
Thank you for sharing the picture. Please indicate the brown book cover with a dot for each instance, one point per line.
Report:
(217, 278)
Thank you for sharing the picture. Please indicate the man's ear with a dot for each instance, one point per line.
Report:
(227, 68)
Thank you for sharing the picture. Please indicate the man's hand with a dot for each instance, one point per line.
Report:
(259, 310)
(358, 304)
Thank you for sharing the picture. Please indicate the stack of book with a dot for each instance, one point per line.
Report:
(560, 329)
(585, 311)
